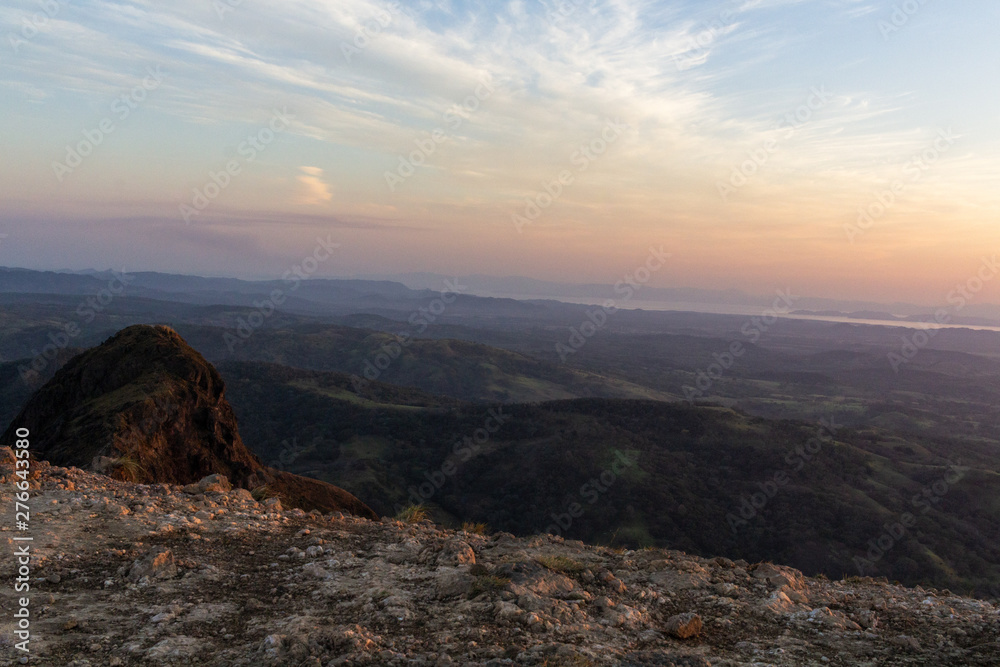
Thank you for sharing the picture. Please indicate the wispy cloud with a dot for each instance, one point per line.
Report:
(314, 191)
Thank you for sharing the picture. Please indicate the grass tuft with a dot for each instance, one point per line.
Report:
(476, 528)
(413, 514)
(262, 493)
(489, 584)
(127, 469)
(562, 564)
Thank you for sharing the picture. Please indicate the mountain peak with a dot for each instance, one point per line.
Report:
(146, 406)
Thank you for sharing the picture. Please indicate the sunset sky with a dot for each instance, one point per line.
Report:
(742, 136)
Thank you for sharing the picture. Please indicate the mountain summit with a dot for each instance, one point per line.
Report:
(146, 406)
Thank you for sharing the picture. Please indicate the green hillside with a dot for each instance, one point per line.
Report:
(636, 473)
(460, 369)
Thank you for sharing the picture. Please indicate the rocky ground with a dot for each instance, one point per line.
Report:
(128, 574)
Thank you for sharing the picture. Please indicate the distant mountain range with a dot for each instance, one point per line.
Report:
(504, 296)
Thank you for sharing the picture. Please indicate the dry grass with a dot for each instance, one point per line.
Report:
(488, 583)
(562, 564)
(476, 528)
(262, 493)
(127, 469)
(413, 514)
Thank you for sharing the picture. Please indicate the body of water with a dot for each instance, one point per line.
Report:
(738, 309)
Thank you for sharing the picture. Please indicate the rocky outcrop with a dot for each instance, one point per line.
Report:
(129, 574)
(146, 406)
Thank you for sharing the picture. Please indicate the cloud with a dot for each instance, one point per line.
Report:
(561, 69)
(314, 191)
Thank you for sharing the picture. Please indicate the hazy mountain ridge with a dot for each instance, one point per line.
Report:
(400, 294)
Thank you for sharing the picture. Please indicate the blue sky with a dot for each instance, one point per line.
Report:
(701, 88)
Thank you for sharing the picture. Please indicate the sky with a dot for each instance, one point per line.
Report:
(839, 148)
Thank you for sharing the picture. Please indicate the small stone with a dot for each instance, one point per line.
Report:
(158, 564)
(242, 495)
(507, 610)
(315, 571)
(684, 626)
(779, 575)
(215, 484)
(273, 504)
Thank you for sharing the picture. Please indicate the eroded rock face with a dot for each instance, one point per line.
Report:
(145, 406)
(132, 574)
